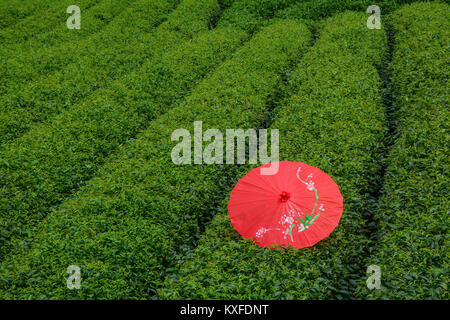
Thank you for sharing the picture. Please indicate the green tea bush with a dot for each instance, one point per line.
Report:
(319, 9)
(413, 243)
(45, 165)
(13, 11)
(120, 48)
(251, 15)
(335, 121)
(125, 226)
(49, 16)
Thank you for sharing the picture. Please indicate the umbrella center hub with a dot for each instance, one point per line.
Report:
(285, 196)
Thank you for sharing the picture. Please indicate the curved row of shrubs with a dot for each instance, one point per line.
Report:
(125, 226)
(412, 249)
(319, 9)
(14, 11)
(335, 121)
(119, 49)
(52, 160)
(48, 16)
(251, 15)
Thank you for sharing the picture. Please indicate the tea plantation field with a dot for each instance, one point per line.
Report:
(86, 123)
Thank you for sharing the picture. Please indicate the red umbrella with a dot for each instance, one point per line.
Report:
(299, 206)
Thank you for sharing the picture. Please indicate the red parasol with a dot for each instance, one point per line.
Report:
(299, 205)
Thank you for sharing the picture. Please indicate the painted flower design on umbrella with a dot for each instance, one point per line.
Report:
(287, 222)
(297, 219)
(309, 219)
(262, 231)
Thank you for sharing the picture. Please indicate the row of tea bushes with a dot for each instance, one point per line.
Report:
(413, 219)
(125, 226)
(319, 9)
(251, 15)
(46, 164)
(335, 121)
(122, 47)
(14, 11)
(48, 16)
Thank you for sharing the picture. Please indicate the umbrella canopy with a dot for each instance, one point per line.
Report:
(299, 206)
